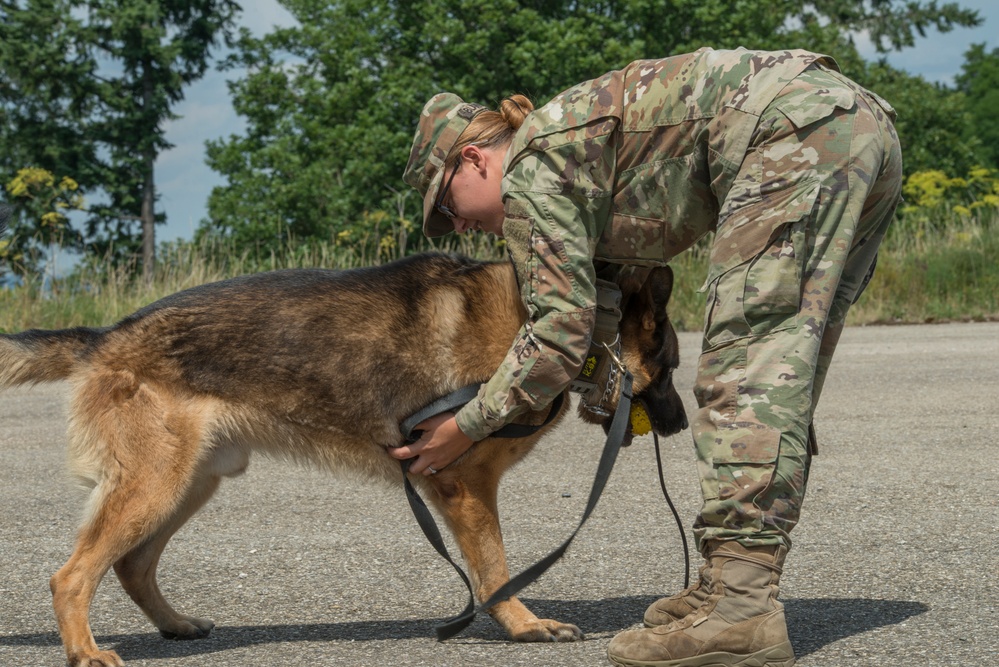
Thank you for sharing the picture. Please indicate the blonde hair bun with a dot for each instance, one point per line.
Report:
(489, 129)
(515, 109)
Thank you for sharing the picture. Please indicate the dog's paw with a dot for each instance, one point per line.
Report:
(96, 659)
(188, 627)
(548, 630)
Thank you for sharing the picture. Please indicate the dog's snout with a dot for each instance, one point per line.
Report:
(679, 424)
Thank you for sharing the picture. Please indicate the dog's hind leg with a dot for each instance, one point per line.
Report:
(143, 468)
(129, 514)
(136, 570)
(466, 496)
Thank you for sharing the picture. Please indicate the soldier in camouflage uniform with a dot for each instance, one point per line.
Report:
(797, 170)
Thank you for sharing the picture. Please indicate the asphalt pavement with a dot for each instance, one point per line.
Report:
(895, 561)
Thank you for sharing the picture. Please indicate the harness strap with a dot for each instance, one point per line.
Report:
(448, 403)
(460, 397)
(615, 436)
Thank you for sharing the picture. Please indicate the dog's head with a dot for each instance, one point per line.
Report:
(649, 349)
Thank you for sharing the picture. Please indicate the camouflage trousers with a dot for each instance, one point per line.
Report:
(772, 323)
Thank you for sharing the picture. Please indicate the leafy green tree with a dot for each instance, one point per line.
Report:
(330, 105)
(41, 102)
(932, 123)
(105, 74)
(979, 81)
(46, 199)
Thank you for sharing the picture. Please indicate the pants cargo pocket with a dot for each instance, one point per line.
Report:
(736, 453)
(744, 459)
(772, 291)
(763, 294)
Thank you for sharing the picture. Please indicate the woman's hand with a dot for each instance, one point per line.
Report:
(441, 443)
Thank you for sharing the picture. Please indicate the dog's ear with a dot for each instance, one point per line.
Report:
(657, 290)
(631, 280)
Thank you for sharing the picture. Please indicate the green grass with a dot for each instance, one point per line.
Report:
(929, 270)
(96, 296)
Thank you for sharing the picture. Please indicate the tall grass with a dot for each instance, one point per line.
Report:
(930, 269)
(936, 268)
(95, 295)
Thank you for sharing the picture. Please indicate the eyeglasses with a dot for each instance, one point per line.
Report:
(439, 204)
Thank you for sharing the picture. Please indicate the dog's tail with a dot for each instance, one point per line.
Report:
(37, 356)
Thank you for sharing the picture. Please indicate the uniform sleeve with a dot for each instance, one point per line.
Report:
(550, 239)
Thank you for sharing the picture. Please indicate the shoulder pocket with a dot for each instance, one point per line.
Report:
(517, 231)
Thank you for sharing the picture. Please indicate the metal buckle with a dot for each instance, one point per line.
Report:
(617, 371)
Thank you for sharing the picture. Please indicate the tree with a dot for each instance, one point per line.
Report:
(330, 105)
(40, 108)
(979, 81)
(52, 52)
(46, 199)
(932, 122)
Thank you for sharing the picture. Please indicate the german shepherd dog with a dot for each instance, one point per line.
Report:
(312, 365)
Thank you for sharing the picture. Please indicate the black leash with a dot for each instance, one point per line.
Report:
(424, 518)
(676, 515)
(429, 526)
(615, 436)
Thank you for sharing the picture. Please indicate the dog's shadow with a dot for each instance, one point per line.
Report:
(812, 624)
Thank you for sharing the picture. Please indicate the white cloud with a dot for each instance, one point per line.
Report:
(261, 16)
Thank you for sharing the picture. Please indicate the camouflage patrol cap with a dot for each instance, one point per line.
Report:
(442, 121)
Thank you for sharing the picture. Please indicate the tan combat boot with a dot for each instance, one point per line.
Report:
(666, 610)
(740, 622)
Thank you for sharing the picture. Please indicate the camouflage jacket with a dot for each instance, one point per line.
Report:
(627, 168)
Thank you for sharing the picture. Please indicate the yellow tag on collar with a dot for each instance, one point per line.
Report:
(640, 422)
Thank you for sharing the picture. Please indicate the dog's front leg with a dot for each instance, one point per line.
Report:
(466, 496)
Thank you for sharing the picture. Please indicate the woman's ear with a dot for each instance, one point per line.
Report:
(475, 158)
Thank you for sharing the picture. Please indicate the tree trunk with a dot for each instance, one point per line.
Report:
(148, 221)
(148, 214)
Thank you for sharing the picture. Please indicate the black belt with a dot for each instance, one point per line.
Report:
(615, 436)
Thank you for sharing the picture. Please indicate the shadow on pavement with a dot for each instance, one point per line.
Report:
(812, 624)
(815, 623)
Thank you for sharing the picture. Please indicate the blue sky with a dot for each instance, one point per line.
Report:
(185, 181)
